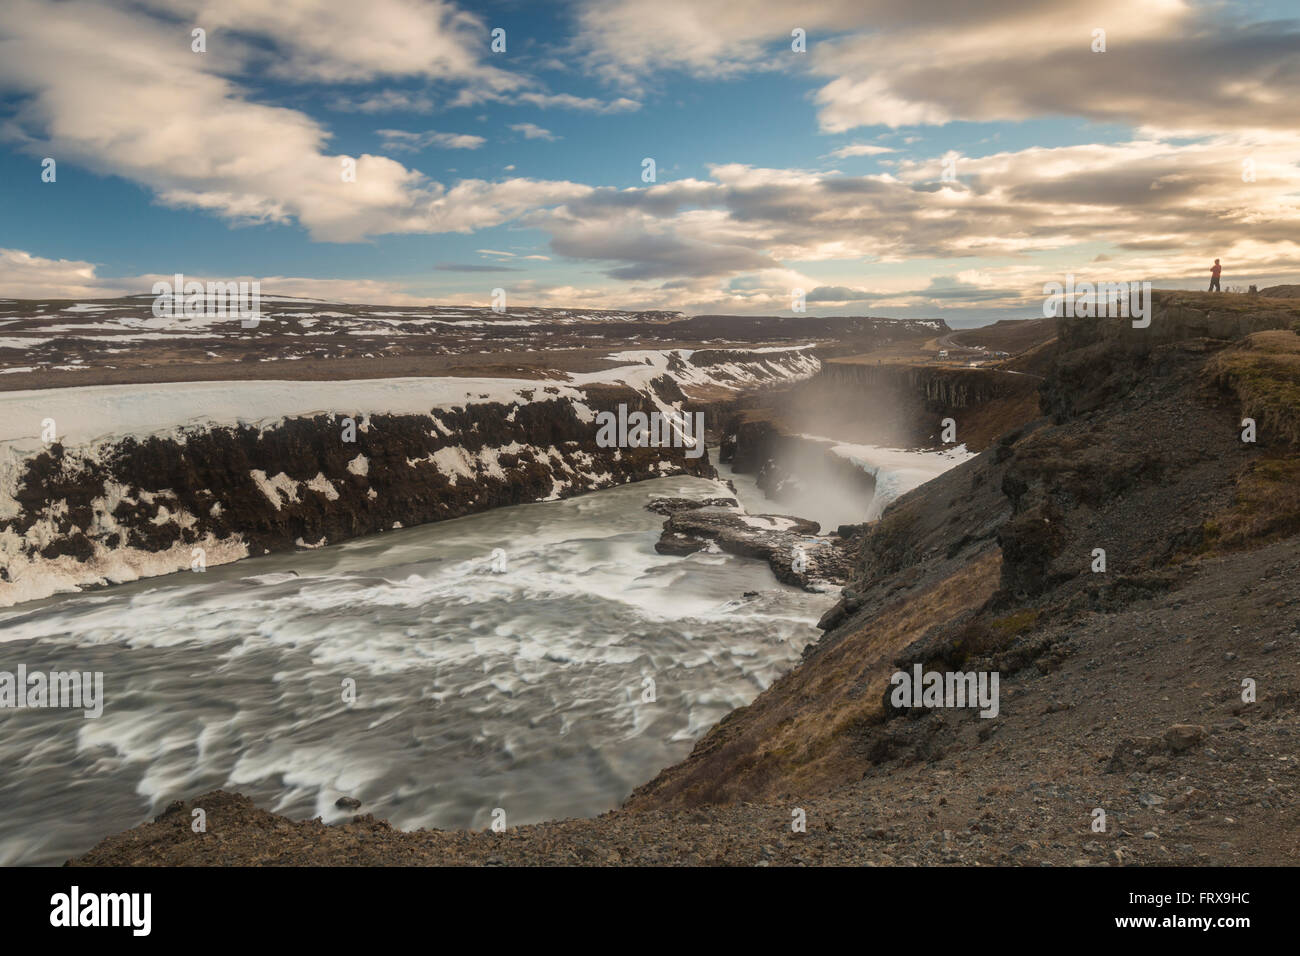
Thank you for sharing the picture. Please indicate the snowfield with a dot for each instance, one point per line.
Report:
(90, 414)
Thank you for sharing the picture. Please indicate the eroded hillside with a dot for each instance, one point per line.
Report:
(988, 566)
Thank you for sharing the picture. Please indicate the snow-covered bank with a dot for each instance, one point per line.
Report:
(93, 413)
(103, 484)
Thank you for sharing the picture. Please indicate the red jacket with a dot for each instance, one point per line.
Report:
(1216, 270)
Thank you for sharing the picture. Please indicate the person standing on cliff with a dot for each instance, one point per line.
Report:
(1214, 277)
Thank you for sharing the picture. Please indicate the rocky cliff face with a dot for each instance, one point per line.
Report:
(1138, 471)
(938, 388)
(1098, 358)
(120, 508)
(898, 405)
(906, 404)
(159, 504)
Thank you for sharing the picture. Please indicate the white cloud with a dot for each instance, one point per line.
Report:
(331, 42)
(533, 131)
(385, 101)
(402, 140)
(705, 38)
(24, 276)
(474, 204)
(1174, 63)
(860, 149)
(1058, 204)
(122, 96)
(621, 104)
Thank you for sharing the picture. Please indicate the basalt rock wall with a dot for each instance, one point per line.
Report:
(141, 506)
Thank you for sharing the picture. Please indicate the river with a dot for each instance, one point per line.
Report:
(547, 678)
(523, 690)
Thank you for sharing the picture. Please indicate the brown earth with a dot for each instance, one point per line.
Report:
(117, 342)
(1012, 336)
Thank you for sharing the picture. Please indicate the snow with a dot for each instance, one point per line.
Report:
(33, 578)
(273, 488)
(453, 461)
(92, 413)
(323, 485)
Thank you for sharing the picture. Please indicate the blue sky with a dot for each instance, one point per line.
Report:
(1122, 163)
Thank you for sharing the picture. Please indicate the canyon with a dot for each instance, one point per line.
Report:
(1119, 689)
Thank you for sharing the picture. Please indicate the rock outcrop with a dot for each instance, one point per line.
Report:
(790, 545)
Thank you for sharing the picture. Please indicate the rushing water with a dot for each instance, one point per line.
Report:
(474, 689)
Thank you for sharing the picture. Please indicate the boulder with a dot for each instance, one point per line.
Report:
(1182, 737)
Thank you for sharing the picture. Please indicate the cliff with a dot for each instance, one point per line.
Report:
(167, 494)
(992, 566)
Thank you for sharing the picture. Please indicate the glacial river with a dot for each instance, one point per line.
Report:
(519, 688)
(519, 681)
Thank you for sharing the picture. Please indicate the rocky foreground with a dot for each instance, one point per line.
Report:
(1125, 562)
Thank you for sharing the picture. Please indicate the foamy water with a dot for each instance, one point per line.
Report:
(475, 690)
(837, 502)
(898, 471)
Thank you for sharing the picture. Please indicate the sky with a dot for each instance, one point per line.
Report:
(876, 157)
